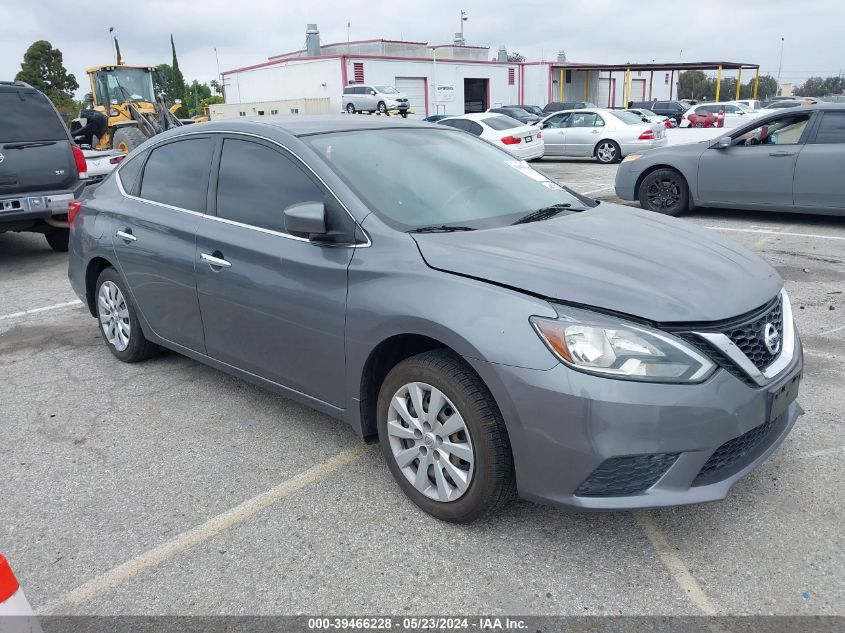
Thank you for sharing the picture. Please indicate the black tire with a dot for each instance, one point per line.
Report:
(698, 124)
(613, 156)
(139, 348)
(57, 239)
(350, 109)
(381, 107)
(664, 191)
(493, 483)
(127, 138)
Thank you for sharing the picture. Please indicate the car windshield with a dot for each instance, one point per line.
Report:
(628, 117)
(415, 178)
(501, 122)
(124, 84)
(647, 112)
(387, 90)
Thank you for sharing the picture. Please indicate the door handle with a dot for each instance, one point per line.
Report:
(595, 131)
(211, 260)
(126, 236)
(779, 154)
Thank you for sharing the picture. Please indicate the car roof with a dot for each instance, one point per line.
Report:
(476, 116)
(305, 124)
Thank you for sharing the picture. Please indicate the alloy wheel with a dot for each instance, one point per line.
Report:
(663, 194)
(350, 109)
(606, 152)
(114, 315)
(430, 441)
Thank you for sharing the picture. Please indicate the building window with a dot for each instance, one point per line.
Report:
(358, 72)
(261, 113)
(294, 110)
(511, 76)
(241, 113)
(569, 76)
(274, 111)
(666, 78)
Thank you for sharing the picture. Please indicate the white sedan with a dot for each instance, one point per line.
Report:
(608, 135)
(523, 141)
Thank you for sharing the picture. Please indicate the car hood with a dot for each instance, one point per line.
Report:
(615, 258)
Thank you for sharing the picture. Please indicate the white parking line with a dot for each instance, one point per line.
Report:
(836, 329)
(770, 232)
(674, 563)
(195, 536)
(584, 193)
(56, 306)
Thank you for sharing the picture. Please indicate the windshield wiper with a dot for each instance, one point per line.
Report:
(441, 228)
(30, 144)
(544, 214)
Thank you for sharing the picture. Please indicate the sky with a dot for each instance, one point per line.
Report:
(247, 32)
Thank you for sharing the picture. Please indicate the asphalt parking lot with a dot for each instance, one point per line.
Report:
(170, 488)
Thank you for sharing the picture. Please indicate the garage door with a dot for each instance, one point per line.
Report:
(414, 87)
(607, 87)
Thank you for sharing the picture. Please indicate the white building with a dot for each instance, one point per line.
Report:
(439, 79)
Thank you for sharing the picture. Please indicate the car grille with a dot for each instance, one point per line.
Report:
(749, 337)
(624, 476)
(735, 454)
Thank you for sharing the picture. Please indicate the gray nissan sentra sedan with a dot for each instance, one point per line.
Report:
(495, 331)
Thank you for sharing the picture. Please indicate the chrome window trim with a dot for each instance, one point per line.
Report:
(296, 156)
(729, 349)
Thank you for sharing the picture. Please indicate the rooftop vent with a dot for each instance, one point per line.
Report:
(312, 40)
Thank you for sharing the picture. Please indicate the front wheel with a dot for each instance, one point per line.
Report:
(118, 320)
(127, 138)
(443, 437)
(350, 109)
(664, 191)
(382, 109)
(608, 152)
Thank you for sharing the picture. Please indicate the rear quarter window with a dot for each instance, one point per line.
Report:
(832, 128)
(27, 115)
(129, 171)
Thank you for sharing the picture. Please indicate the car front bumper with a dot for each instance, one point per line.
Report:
(626, 179)
(595, 443)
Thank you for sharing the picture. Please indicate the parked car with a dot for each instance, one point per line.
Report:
(701, 116)
(672, 109)
(100, 164)
(781, 104)
(558, 106)
(651, 117)
(434, 118)
(533, 109)
(791, 160)
(751, 104)
(727, 113)
(372, 98)
(523, 116)
(607, 135)
(41, 169)
(488, 326)
(523, 141)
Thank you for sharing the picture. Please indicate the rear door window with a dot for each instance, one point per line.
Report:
(177, 174)
(832, 128)
(26, 115)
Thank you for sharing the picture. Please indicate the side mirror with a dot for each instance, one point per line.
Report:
(307, 218)
(544, 125)
(372, 92)
(724, 142)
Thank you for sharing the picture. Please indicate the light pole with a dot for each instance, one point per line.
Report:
(112, 44)
(219, 76)
(464, 18)
(780, 64)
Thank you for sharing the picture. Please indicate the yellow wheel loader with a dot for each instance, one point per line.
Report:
(124, 111)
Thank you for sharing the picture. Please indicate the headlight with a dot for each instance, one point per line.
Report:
(611, 347)
(632, 157)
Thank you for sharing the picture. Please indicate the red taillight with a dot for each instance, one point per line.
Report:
(114, 160)
(668, 123)
(648, 135)
(511, 140)
(79, 159)
(73, 208)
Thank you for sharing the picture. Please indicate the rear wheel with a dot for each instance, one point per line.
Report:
(118, 320)
(698, 124)
(350, 109)
(664, 191)
(127, 138)
(608, 151)
(57, 239)
(443, 437)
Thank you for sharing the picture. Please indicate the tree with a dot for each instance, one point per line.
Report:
(516, 57)
(177, 81)
(43, 68)
(216, 87)
(163, 82)
(694, 84)
(766, 89)
(820, 87)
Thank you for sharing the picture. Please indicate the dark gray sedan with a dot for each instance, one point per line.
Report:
(790, 161)
(494, 331)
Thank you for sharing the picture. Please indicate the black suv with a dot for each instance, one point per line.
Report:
(557, 106)
(41, 169)
(672, 109)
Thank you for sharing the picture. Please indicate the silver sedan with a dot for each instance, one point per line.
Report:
(608, 135)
